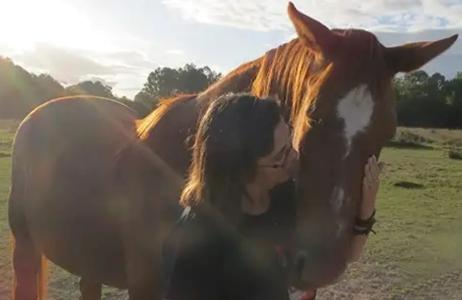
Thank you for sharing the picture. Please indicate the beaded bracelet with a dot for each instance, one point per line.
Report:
(364, 226)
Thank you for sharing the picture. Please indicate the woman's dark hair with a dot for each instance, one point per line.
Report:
(235, 131)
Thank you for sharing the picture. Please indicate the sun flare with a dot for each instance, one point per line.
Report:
(25, 23)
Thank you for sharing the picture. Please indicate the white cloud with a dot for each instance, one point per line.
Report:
(78, 40)
(394, 21)
(175, 52)
(125, 71)
(64, 64)
(257, 15)
(265, 15)
(24, 23)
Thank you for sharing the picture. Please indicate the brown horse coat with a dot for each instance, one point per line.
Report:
(95, 190)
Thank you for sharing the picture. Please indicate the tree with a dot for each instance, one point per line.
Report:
(167, 82)
(429, 101)
(97, 88)
(139, 108)
(146, 99)
(453, 92)
(193, 80)
(21, 91)
(94, 88)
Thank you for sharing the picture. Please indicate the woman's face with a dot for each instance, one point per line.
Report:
(281, 164)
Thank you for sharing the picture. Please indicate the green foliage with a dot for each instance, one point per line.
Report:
(422, 100)
(429, 101)
(455, 153)
(409, 139)
(140, 109)
(167, 82)
(21, 91)
(94, 88)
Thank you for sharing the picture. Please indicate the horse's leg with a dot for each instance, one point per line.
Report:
(145, 285)
(29, 280)
(144, 278)
(90, 290)
(27, 267)
(146, 224)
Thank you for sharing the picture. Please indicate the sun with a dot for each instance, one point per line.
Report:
(23, 23)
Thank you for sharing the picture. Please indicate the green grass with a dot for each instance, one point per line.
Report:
(419, 228)
(5, 278)
(419, 211)
(7, 130)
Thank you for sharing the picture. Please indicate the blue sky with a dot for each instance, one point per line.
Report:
(120, 42)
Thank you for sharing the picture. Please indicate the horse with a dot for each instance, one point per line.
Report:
(95, 190)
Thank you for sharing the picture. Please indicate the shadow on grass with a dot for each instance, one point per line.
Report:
(408, 185)
(5, 154)
(407, 145)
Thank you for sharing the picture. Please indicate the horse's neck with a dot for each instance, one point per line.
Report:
(282, 73)
(237, 81)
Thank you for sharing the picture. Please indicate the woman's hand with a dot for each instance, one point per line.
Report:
(370, 188)
(371, 183)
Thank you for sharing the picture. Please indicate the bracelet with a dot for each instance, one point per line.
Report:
(364, 226)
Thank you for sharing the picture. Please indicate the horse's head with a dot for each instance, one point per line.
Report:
(344, 114)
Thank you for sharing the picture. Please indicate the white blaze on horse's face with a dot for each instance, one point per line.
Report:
(355, 109)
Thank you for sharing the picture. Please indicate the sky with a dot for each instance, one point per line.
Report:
(119, 42)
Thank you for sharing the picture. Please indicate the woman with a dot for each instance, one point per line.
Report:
(239, 205)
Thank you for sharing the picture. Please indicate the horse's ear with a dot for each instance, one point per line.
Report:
(313, 33)
(408, 57)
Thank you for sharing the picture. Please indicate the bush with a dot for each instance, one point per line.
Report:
(455, 154)
(408, 139)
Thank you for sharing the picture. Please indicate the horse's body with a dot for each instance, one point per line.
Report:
(95, 190)
(79, 190)
(68, 179)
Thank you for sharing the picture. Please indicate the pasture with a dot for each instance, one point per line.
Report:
(416, 254)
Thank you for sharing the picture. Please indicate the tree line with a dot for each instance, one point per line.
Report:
(422, 100)
(22, 91)
(429, 101)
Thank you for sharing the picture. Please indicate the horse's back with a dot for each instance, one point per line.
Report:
(77, 137)
(66, 155)
(94, 120)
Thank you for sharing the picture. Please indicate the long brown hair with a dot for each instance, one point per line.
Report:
(235, 131)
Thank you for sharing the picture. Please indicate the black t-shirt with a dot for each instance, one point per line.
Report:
(207, 259)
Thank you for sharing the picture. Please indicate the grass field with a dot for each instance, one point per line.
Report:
(416, 254)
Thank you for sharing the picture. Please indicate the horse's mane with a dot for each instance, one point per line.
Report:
(238, 80)
(144, 125)
(292, 73)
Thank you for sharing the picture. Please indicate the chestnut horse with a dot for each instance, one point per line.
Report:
(95, 191)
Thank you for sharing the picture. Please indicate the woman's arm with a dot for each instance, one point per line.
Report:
(369, 191)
